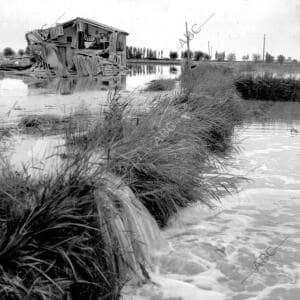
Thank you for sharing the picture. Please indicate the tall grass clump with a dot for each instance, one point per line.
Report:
(73, 236)
(268, 87)
(166, 156)
(162, 171)
(209, 93)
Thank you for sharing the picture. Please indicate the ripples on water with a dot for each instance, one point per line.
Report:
(215, 253)
(212, 252)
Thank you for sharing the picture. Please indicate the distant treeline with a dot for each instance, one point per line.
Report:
(196, 55)
(148, 53)
(9, 52)
(143, 53)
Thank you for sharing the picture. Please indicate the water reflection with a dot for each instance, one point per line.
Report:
(173, 70)
(140, 74)
(137, 77)
(67, 86)
(145, 69)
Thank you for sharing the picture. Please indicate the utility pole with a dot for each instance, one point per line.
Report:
(208, 49)
(188, 44)
(264, 47)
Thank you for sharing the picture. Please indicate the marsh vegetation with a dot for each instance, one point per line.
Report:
(75, 234)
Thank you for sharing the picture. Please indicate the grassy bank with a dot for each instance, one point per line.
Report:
(268, 87)
(163, 157)
(83, 233)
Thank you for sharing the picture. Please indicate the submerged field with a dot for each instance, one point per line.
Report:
(86, 224)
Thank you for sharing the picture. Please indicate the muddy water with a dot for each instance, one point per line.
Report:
(65, 97)
(249, 247)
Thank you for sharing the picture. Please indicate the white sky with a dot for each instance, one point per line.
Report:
(237, 26)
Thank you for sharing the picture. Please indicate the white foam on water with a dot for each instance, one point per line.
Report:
(167, 288)
(214, 251)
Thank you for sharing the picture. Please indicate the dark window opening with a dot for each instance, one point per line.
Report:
(81, 40)
(69, 39)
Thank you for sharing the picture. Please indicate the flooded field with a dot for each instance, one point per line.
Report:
(61, 96)
(64, 97)
(246, 248)
(249, 247)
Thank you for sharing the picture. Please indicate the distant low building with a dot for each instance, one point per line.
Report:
(80, 45)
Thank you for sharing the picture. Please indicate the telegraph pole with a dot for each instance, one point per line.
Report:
(188, 44)
(208, 48)
(264, 47)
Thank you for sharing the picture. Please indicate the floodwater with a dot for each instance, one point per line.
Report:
(249, 247)
(64, 97)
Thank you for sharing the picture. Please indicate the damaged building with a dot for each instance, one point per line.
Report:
(79, 46)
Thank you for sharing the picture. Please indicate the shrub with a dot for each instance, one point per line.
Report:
(220, 56)
(198, 55)
(269, 58)
(256, 57)
(245, 57)
(21, 52)
(281, 58)
(231, 57)
(173, 55)
(207, 56)
(268, 87)
(8, 52)
(184, 54)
